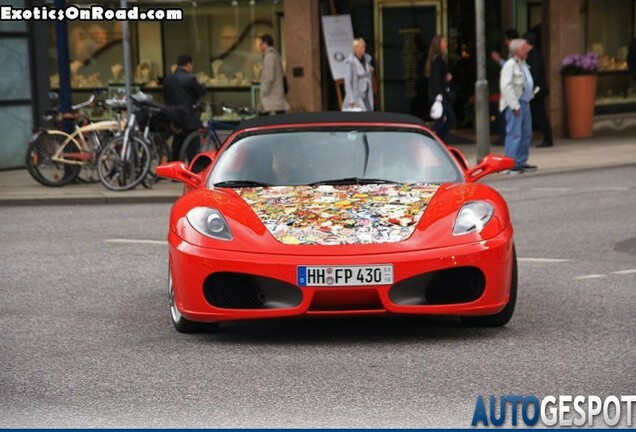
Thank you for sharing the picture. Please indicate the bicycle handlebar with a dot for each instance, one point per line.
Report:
(231, 109)
(244, 111)
(84, 104)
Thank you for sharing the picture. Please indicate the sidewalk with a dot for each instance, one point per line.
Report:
(18, 188)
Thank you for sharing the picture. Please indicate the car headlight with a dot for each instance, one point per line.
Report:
(209, 222)
(473, 216)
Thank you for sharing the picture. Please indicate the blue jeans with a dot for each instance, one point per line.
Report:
(519, 134)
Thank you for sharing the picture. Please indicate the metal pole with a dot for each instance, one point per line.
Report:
(481, 85)
(63, 65)
(127, 68)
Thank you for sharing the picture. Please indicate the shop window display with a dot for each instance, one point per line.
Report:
(95, 50)
(609, 30)
(222, 38)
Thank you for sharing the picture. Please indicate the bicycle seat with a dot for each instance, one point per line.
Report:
(147, 104)
(117, 105)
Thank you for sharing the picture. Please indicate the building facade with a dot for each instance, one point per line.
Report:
(222, 37)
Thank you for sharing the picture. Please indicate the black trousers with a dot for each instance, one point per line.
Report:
(177, 142)
(540, 117)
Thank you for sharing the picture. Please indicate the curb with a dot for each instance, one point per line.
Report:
(86, 200)
(564, 170)
(160, 199)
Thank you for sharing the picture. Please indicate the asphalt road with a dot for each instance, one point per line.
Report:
(86, 340)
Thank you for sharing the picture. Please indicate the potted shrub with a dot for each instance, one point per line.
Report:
(579, 83)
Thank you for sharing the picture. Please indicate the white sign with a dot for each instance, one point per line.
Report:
(338, 32)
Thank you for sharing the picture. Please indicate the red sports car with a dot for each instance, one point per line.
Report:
(325, 214)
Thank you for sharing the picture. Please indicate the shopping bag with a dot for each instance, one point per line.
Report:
(437, 109)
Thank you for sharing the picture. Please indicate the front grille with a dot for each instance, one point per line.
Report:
(243, 291)
(449, 286)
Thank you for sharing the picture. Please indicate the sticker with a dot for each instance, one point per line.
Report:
(335, 215)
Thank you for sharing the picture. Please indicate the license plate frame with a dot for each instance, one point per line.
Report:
(344, 275)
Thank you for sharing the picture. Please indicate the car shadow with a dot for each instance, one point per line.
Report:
(348, 330)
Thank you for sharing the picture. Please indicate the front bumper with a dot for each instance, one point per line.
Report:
(191, 265)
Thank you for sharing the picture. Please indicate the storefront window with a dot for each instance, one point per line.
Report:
(222, 37)
(223, 40)
(608, 32)
(13, 26)
(15, 53)
(95, 51)
(16, 111)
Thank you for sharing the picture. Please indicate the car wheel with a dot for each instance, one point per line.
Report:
(501, 318)
(180, 323)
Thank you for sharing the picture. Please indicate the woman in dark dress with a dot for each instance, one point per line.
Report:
(438, 80)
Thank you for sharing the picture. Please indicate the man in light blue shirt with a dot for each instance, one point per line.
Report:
(517, 86)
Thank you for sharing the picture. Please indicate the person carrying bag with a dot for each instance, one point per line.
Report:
(438, 79)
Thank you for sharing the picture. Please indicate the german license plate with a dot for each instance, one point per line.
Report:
(345, 275)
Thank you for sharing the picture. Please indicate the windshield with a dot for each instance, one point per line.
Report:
(333, 157)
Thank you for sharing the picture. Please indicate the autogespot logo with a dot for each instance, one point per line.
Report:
(564, 410)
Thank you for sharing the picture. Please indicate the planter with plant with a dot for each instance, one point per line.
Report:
(579, 83)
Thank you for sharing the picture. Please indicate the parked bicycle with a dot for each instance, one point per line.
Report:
(131, 158)
(56, 158)
(159, 124)
(214, 134)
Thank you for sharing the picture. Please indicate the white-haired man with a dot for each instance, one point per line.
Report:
(516, 87)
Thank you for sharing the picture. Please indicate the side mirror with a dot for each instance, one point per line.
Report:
(489, 164)
(202, 161)
(178, 171)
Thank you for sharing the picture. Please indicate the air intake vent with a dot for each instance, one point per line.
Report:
(450, 286)
(244, 291)
(458, 285)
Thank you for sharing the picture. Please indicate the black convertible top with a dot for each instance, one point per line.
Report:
(330, 117)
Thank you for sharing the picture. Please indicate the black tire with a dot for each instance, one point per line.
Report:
(159, 155)
(196, 142)
(499, 319)
(44, 170)
(118, 174)
(181, 324)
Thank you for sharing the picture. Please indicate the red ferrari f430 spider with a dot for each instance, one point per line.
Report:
(325, 214)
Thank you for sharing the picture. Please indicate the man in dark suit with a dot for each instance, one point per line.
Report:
(537, 104)
(182, 89)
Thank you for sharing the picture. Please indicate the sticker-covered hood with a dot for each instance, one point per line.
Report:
(334, 215)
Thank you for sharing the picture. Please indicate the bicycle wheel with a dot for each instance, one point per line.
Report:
(196, 142)
(120, 174)
(159, 155)
(43, 169)
(88, 173)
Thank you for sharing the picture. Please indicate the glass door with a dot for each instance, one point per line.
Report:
(404, 31)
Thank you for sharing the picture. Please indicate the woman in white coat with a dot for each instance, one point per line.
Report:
(358, 85)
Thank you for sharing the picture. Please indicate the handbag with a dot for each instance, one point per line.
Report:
(437, 109)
